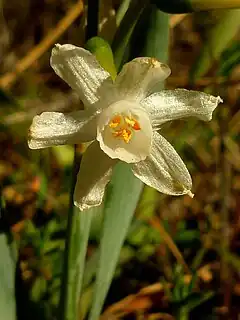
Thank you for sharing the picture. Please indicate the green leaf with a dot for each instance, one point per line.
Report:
(157, 36)
(198, 258)
(64, 155)
(85, 303)
(220, 36)
(7, 280)
(80, 227)
(90, 269)
(151, 35)
(125, 30)
(118, 213)
(51, 245)
(187, 237)
(196, 299)
(38, 289)
(103, 52)
(232, 259)
(85, 224)
(148, 203)
(122, 11)
(230, 58)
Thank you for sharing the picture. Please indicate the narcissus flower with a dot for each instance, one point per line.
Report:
(122, 119)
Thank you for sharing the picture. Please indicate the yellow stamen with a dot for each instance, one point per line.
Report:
(115, 122)
(123, 126)
(190, 194)
(132, 123)
(125, 134)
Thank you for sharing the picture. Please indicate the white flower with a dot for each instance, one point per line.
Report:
(122, 118)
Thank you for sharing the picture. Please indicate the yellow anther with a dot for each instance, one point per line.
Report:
(132, 123)
(125, 134)
(122, 127)
(115, 122)
(155, 63)
(129, 121)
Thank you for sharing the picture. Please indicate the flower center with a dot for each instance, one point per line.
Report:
(123, 127)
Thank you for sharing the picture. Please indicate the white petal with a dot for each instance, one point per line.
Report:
(139, 77)
(80, 69)
(94, 174)
(55, 128)
(139, 146)
(168, 105)
(164, 170)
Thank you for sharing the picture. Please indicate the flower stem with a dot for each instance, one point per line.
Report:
(78, 228)
(121, 11)
(225, 190)
(182, 314)
(92, 19)
(65, 307)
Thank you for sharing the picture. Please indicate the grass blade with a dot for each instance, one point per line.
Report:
(119, 210)
(227, 27)
(85, 219)
(156, 35)
(7, 280)
(126, 29)
(103, 52)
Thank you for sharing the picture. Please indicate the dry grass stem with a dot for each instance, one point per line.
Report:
(22, 65)
(176, 19)
(156, 223)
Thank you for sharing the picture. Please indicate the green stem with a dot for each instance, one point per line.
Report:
(225, 189)
(70, 238)
(126, 29)
(182, 314)
(78, 227)
(121, 11)
(92, 19)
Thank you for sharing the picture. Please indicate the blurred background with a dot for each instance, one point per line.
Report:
(181, 256)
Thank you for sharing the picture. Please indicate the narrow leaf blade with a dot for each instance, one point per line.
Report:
(218, 39)
(7, 280)
(119, 210)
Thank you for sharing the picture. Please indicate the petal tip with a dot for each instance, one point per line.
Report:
(216, 101)
(30, 139)
(55, 49)
(166, 69)
(82, 206)
(30, 145)
(213, 103)
(190, 194)
(155, 63)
